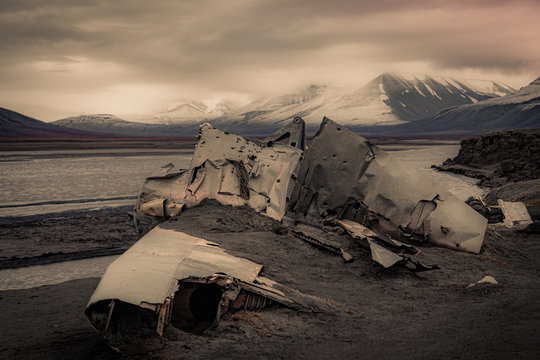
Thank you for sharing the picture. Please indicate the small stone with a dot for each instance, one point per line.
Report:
(485, 280)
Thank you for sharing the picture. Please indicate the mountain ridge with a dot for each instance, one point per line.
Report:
(112, 125)
(519, 110)
(389, 104)
(389, 99)
(14, 125)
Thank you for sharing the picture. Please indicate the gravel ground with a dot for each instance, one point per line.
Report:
(371, 313)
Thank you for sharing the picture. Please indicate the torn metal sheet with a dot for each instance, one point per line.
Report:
(515, 214)
(178, 276)
(381, 254)
(323, 245)
(361, 232)
(231, 169)
(294, 132)
(344, 176)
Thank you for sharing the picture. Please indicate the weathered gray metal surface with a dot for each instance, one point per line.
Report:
(229, 168)
(294, 132)
(344, 176)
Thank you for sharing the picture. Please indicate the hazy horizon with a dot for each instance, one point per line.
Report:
(63, 58)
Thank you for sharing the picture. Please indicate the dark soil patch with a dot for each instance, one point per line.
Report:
(43, 239)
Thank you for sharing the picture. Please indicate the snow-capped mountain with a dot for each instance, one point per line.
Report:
(272, 112)
(183, 111)
(414, 97)
(189, 112)
(389, 99)
(518, 110)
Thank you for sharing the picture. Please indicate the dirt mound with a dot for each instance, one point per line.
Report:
(498, 158)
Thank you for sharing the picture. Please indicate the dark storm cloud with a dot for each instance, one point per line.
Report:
(227, 45)
(197, 34)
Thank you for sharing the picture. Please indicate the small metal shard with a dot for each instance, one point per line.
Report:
(379, 253)
(323, 245)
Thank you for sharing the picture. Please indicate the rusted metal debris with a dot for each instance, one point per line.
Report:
(340, 180)
(379, 246)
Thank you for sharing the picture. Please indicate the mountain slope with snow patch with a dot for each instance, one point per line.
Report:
(389, 99)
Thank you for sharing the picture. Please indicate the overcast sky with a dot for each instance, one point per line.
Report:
(67, 57)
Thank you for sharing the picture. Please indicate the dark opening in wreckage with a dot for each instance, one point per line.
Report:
(341, 180)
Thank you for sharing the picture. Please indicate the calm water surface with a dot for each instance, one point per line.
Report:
(99, 179)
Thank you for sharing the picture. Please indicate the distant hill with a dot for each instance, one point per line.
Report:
(110, 124)
(519, 110)
(190, 112)
(14, 125)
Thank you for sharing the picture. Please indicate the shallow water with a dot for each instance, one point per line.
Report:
(39, 275)
(27, 178)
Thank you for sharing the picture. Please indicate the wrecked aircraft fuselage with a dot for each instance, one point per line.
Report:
(343, 176)
(177, 278)
(340, 180)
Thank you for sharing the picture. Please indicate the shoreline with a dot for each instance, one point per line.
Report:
(172, 144)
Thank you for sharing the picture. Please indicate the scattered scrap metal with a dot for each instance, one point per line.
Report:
(340, 180)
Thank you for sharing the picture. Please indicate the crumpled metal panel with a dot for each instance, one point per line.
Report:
(381, 254)
(344, 176)
(362, 232)
(231, 169)
(150, 270)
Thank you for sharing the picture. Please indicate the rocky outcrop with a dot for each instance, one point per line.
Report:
(498, 158)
